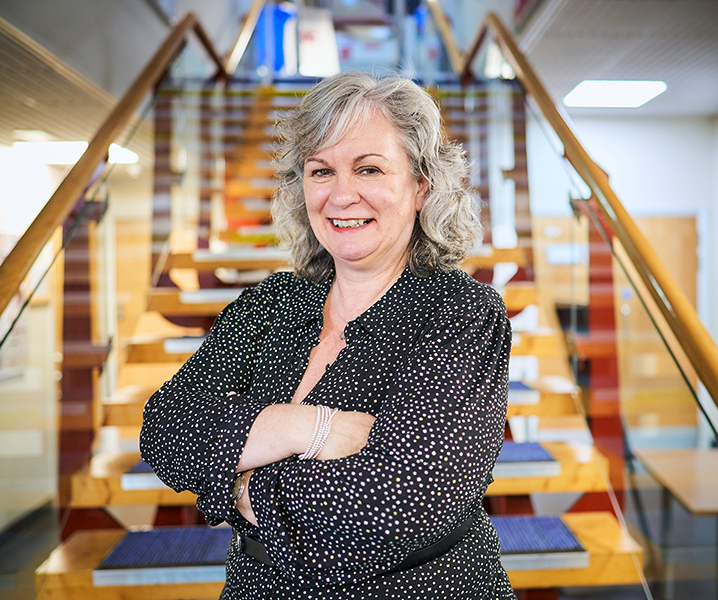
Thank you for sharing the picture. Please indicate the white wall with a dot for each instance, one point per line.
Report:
(665, 166)
(466, 16)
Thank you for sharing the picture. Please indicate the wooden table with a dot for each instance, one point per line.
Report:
(67, 574)
(690, 475)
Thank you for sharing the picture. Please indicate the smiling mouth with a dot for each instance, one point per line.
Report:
(349, 223)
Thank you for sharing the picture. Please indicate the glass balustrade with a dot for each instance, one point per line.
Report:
(647, 411)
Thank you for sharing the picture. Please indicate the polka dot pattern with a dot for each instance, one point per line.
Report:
(429, 360)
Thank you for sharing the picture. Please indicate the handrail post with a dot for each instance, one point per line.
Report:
(452, 48)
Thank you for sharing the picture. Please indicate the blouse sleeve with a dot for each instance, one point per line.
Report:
(425, 468)
(193, 432)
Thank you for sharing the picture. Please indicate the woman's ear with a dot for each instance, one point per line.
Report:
(421, 193)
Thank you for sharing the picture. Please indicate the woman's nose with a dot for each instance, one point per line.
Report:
(345, 191)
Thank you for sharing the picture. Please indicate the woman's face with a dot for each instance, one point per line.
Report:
(362, 199)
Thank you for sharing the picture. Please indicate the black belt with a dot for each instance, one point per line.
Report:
(257, 550)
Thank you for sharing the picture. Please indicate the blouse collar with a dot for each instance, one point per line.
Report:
(378, 320)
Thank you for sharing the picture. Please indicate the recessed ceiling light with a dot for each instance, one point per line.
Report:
(68, 153)
(53, 153)
(613, 94)
(122, 156)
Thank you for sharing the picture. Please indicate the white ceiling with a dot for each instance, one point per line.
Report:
(37, 92)
(566, 41)
(675, 41)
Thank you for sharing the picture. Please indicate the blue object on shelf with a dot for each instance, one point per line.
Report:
(531, 534)
(526, 452)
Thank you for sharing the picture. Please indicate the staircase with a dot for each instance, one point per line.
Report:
(206, 234)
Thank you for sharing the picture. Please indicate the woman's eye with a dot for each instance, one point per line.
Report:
(369, 171)
(321, 172)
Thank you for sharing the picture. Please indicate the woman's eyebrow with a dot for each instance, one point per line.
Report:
(315, 159)
(359, 158)
(363, 156)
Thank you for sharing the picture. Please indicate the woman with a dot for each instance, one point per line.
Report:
(355, 408)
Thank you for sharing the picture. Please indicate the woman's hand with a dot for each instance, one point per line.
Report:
(244, 506)
(348, 435)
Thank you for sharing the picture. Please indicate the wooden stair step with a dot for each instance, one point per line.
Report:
(67, 573)
(247, 189)
(170, 349)
(153, 325)
(537, 344)
(550, 405)
(256, 212)
(583, 469)
(124, 408)
(100, 483)
(613, 555)
(200, 303)
(518, 296)
(241, 258)
(268, 257)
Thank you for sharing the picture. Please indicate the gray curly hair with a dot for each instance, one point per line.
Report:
(448, 223)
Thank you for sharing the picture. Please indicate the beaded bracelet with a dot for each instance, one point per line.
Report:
(322, 427)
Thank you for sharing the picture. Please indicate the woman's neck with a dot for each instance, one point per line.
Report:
(355, 291)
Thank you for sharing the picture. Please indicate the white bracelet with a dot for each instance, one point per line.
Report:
(322, 427)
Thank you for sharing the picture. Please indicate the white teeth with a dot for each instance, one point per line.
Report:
(343, 224)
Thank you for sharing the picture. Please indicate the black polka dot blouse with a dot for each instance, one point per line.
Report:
(429, 360)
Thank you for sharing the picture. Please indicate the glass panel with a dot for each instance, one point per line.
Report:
(646, 411)
(62, 341)
(645, 408)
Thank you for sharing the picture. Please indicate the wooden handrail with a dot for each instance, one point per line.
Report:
(16, 266)
(445, 31)
(245, 33)
(209, 47)
(680, 315)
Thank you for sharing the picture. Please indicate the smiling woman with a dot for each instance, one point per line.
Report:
(395, 108)
(345, 418)
(362, 199)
